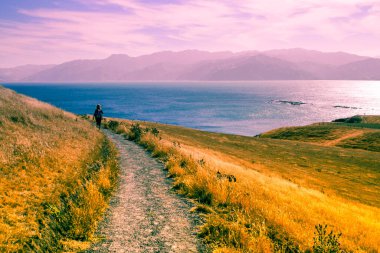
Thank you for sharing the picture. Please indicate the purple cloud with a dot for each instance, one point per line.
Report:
(57, 31)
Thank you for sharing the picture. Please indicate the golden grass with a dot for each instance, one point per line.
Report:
(44, 160)
(263, 211)
(371, 119)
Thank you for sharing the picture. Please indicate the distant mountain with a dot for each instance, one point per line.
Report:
(21, 72)
(298, 55)
(186, 57)
(256, 67)
(282, 64)
(158, 66)
(368, 69)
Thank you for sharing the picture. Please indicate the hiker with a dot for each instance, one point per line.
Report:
(98, 115)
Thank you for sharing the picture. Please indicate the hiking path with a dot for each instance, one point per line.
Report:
(144, 214)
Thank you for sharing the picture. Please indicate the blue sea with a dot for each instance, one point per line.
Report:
(245, 108)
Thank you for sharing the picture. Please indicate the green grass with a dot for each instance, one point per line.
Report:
(358, 135)
(367, 141)
(360, 125)
(312, 133)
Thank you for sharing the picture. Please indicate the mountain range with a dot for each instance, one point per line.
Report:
(195, 65)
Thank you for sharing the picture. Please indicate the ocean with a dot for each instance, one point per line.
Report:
(245, 108)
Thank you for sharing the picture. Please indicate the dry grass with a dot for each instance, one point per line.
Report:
(264, 211)
(371, 119)
(54, 176)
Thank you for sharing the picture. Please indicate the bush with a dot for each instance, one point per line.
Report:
(202, 194)
(135, 132)
(113, 125)
(353, 119)
(152, 130)
(219, 232)
(326, 242)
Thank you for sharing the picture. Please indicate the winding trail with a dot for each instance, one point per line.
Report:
(145, 216)
(352, 134)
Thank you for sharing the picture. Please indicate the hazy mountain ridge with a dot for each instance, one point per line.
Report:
(299, 55)
(255, 67)
(195, 65)
(367, 69)
(21, 72)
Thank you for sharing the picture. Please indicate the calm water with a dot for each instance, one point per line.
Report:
(246, 108)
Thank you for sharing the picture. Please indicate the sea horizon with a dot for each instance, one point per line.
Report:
(234, 107)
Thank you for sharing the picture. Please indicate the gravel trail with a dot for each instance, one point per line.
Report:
(145, 216)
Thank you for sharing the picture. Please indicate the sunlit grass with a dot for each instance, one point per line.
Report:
(283, 189)
(54, 180)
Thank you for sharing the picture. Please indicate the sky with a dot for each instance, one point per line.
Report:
(55, 31)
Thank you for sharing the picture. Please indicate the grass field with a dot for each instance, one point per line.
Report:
(257, 194)
(362, 133)
(283, 188)
(56, 174)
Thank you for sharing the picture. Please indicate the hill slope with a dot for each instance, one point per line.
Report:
(57, 172)
(267, 194)
(359, 132)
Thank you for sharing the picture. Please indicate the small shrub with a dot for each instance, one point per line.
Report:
(354, 119)
(159, 153)
(189, 164)
(341, 120)
(202, 194)
(18, 119)
(281, 240)
(221, 233)
(152, 130)
(135, 132)
(181, 187)
(84, 116)
(326, 242)
(113, 125)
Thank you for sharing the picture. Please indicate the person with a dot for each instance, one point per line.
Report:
(98, 115)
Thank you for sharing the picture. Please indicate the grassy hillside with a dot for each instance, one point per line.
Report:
(359, 132)
(283, 188)
(56, 173)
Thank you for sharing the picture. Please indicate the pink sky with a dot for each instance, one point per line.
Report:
(44, 31)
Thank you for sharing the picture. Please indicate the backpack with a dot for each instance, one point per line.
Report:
(98, 114)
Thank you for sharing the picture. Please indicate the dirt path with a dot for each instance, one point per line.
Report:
(145, 216)
(347, 136)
